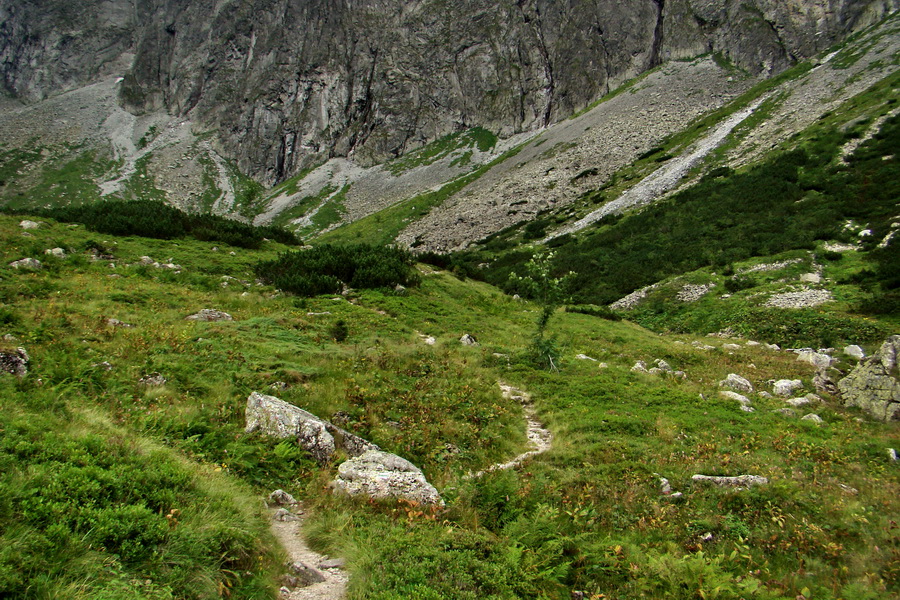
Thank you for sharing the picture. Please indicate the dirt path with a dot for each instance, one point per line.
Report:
(539, 437)
(289, 533)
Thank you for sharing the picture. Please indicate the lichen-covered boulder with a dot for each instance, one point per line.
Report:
(277, 418)
(384, 476)
(786, 387)
(736, 382)
(874, 384)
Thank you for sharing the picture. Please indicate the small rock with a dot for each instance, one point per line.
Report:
(153, 380)
(57, 252)
(106, 366)
(892, 454)
(15, 363)
(281, 498)
(118, 323)
(736, 382)
(26, 263)
(848, 490)
(306, 574)
(209, 314)
(748, 409)
(278, 385)
(812, 417)
(656, 371)
(663, 365)
(26, 224)
(737, 482)
(429, 340)
(639, 367)
(855, 351)
(602, 365)
(787, 412)
(332, 563)
(764, 394)
(744, 400)
(773, 346)
(283, 514)
(468, 340)
(731, 347)
(585, 357)
(752, 343)
(678, 374)
(797, 402)
(786, 387)
(816, 359)
(146, 261)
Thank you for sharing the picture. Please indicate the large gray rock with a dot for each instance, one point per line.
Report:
(874, 384)
(320, 438)
(786, 387)
(384, 476)
(26, 263)
(736, 382)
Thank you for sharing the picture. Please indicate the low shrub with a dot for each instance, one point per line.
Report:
(324, 269)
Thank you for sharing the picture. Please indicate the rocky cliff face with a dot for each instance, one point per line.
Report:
(286, 84)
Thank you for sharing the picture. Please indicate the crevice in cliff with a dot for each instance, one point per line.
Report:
(536, 24)
(655, 59)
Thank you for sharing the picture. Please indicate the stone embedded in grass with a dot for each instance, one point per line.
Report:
(384, 476)
(813, 417)
(57, 252)
(817, 359)
(739, 482)
(786, 387)
(468, 340)
(210, 314)
(787, 412)
(153, 380)
(797, 402)
(743, 400)
(892, 454)
(585, 357)
(640, 367)
(26, 224)
(27, 263)
(118, 323)
(736, 382)
(15, 363)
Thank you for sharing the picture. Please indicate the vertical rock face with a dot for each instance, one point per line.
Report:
(874, 384)
(287, 84)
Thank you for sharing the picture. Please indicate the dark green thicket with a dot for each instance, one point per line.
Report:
(323, 269)
(153, 219)
(785, 203)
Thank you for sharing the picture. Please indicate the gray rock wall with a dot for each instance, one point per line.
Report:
(287, 83)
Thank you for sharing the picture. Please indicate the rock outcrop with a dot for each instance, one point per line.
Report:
(384, 476)
(288, 85)
(277, 418)
(874, 384)
(15, 363)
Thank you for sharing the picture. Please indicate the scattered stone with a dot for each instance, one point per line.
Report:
(639, 367)
(320, 438)
(693, 292)
(797, 402)
(15, 363)
(209, 314)
(468, 340)
(429, 340)
(765, 395)
(8, 337)
(106, 366)
(663, 365)
(153, 380)
(855, 351)
(812, 417)
(306, 574)
(118, 323)
(800, 299)
(874, 384)
(147, 261)
(318, 314)
(817, 359)
(281, 498)
(773, 346)
(744, 400)
(585, 357)
(283, 514)
(824, 383)
(892, 454)
(332, 563)
(26, 224)
(770, 266)
(811, 278)
(751, 343)
(381, 476)
(787, 412)
(731, 346)
(57, 252)
(676, 374)
(848, 490)
(278, 386)
(738, 482)
(702, 346)
(26, 263)
(786, 387)
(748, 409)
(736, 382)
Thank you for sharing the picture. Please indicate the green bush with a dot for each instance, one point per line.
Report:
(324, 269)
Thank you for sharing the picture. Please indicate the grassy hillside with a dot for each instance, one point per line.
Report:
(114, 489)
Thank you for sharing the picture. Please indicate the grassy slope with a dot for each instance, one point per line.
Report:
(588, 515)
